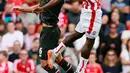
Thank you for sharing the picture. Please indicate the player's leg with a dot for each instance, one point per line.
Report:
(69, 39)
(45, 66)
(47, 40)
(85, 52)
(93, 28)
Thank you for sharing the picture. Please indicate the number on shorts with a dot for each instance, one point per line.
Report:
(40, 52)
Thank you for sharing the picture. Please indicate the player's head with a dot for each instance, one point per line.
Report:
(3, 55)
(10, 27)
(23, 55)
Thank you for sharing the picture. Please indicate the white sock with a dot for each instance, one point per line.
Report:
(59, 49)
(82, 65)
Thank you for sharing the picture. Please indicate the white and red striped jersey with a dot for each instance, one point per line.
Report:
(6, 67)
(91, 4)
(28, 67)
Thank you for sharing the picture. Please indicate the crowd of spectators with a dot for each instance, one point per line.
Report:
(19, 37)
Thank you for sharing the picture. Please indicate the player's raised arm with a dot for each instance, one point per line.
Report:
(50, 4)
(29, 9)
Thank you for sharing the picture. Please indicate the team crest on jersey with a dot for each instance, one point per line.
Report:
(94, 32)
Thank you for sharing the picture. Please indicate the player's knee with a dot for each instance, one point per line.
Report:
(43, 63)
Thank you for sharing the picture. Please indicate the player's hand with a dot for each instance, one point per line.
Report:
(38, 10)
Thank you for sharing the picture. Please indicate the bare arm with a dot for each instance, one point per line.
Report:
(28, 10)
(51, 3)
(124, 62)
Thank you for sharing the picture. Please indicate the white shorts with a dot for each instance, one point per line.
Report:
(90, 23)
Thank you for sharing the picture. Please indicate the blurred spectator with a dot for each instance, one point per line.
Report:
(29, 18)
(105, 20)
(125, 35)
(74, 13)
(38, 28)
(71, 57)
(128, 22)
(11, 36)
(115, 17)
(92, 66)
(29, 37)
(8, 15)
(111, 63)
(71, 29)
(122, 5)
(112, 41)
(5, 65)
(106, 5)
(2, 28)
(118, 4)
(63, 19)
(2, 5)
(125, 58)
(0, 42)
(24, 65)
(34, 50)
(16, 51)
(62, 33)
(40, 69)
(20, 27)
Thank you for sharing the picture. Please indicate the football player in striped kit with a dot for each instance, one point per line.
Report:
(89, 24)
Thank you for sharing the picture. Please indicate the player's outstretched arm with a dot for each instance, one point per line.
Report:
(51, 3)
(28, 10)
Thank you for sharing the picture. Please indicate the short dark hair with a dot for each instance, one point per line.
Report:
(1, 22)
(112, 24)
(4, 53)
(35, 39)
